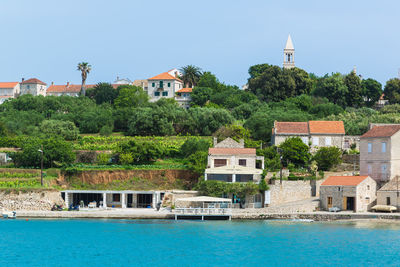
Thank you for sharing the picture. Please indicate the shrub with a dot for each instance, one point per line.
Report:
(103, 158)
(219, 188)
(197, 162)
(295, 151)
(328, 157)
(192, 145)
(106, 130)
(125, 159)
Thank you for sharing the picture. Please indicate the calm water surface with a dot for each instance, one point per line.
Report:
(188, 243)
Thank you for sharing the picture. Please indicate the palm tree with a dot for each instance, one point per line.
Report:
(84, 68)
(190, 75)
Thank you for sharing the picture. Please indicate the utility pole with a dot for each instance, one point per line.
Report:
(41, 166)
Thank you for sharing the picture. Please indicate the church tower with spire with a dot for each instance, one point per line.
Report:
(288, 54)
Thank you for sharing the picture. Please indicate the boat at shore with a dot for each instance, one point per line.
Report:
(9, 215)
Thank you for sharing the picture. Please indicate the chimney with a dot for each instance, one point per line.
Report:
(67, 84)
(241, 142)
(23, 79)
(215, 141)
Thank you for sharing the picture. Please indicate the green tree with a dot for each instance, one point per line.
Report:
(190, 75)
(65, 129)
(328, 157)
(236, 132)
(103, 93)
(55, 151)
(208, 80)
(354, 95)
(84, 68)
(295, 151)
(371, 91)
(333, 88)
(192, 145)
(392, 91)
(131, 96)
(200, 95)
(197, 162)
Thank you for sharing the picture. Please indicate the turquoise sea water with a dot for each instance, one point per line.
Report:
(196, 243)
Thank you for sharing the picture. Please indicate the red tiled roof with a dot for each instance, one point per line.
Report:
(4, 85)
(291, 127)
(72, 88)
(382, 131)
(185, 90)
(34, 81)
(231, 151)
(6, 96)
(344, 180)
(164, 76)
(326, 127)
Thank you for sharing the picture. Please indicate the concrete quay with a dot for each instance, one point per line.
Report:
(245, 214)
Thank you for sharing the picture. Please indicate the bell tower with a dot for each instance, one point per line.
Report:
(288, 54)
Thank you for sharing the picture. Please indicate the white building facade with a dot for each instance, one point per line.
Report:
(164, 85)
(8, 90)
(33, 87)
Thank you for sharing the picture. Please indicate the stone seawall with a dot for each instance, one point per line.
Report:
(34, 200)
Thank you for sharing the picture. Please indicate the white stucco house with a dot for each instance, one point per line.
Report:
(164, 85)
(8, 90)
(33, 86)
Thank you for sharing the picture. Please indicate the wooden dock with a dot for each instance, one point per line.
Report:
(203, 214)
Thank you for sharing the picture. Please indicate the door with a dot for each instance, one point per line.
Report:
(351, 203)
(329, 202)
(130, 201)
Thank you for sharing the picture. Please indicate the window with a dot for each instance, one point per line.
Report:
(156, 93)
(315, 141)
(383, 147)
(169, 84)
(116, 198)
(328, 141)
(161, 84)
(368, 199)
(368, 187)
(305, 140)
(383, 168)
(242, 162)
(164, 93)
(219, 162)
(329, 200)
(153, 84)
(387, 200)
(369, 169)
(369, 147)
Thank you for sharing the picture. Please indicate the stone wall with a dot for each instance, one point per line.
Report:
(290, 191)
(29, 200)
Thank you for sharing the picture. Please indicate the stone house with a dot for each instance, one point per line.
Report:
(33, 86)
(313, 133)
(164, 85)
(8, 90)
(229, 161)
(352, 193)
(379, 152)
(183, 97)
(389, 194)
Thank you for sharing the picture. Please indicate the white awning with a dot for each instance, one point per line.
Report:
(236, 169)
(204, 199)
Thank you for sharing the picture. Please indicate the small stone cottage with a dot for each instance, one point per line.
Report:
(389, 194)
(351, 193)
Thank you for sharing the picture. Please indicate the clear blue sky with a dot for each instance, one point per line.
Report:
(139, 39)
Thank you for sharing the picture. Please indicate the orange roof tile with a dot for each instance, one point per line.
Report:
(164, 76)
(185, 90)
(326, 127)
(382, 131)
(231, 151)
(34, 81)
(5, 85)
(344, 180)
(285, 127)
